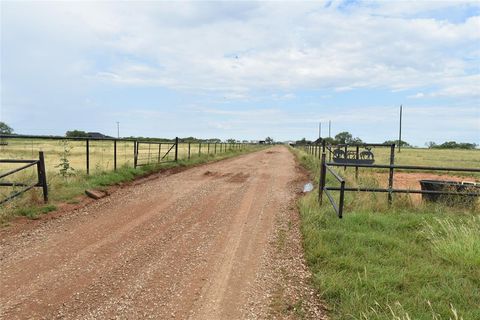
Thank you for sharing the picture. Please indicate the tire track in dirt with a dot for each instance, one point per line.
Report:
(187, 245)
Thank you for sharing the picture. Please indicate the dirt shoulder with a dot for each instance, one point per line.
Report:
(220, 241)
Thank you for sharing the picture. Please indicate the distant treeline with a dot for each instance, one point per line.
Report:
(84, 134)
(347, 138)
(452, 145)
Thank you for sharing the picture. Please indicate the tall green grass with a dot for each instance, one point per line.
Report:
(405, 261)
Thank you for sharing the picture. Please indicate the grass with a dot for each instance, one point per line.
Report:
(407, 261)
(101, 152)
(68, 190)
(431, 157)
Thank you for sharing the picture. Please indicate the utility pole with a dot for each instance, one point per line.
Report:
(400, 130)
(319, 130)
(118, 130)
(329, 128)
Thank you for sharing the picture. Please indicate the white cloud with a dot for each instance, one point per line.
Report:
(263, 53)
(288, 46)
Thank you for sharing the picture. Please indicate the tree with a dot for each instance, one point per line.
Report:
(269, 140)
(5, 128)
(76, 134)
(452, 145)
(231, 140)
(356, 140)
(329, 140)
(344, 137)
(431, 144)
(303, 141)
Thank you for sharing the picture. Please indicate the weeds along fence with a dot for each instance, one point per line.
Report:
(343, 156)
(105, 154)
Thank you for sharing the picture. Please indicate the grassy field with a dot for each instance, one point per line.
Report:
(101, 152)
(431, 157)
(408, 261)
(68, 188)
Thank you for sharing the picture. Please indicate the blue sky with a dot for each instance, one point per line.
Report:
(243, 70)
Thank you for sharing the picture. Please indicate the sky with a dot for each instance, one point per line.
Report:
(243, 70)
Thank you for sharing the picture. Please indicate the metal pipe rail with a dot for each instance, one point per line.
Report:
(324, 166)
(28, 165)
(403, 167)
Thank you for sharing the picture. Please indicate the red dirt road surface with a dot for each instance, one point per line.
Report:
(218, 241)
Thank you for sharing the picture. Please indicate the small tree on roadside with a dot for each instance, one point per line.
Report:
(65, 169)
(269, 140)
(5, 128)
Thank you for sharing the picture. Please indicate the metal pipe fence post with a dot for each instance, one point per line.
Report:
(199, 148)
(215, 148)
(115, 155)
(176, 149)
(346, 151)
(42, 176)
(88, 155)
(357, 155)
(189, 146)
(149, 147)
(321, 180)
(342, 197)
(135, 153)
(390, 175)
(159, 153)
(208, 148)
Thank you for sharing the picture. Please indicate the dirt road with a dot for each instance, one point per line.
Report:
(218, 241)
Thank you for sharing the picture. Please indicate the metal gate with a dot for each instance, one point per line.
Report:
(41, 177)
(148, 152)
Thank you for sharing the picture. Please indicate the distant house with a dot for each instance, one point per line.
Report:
(97, 135)
(261, 142)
